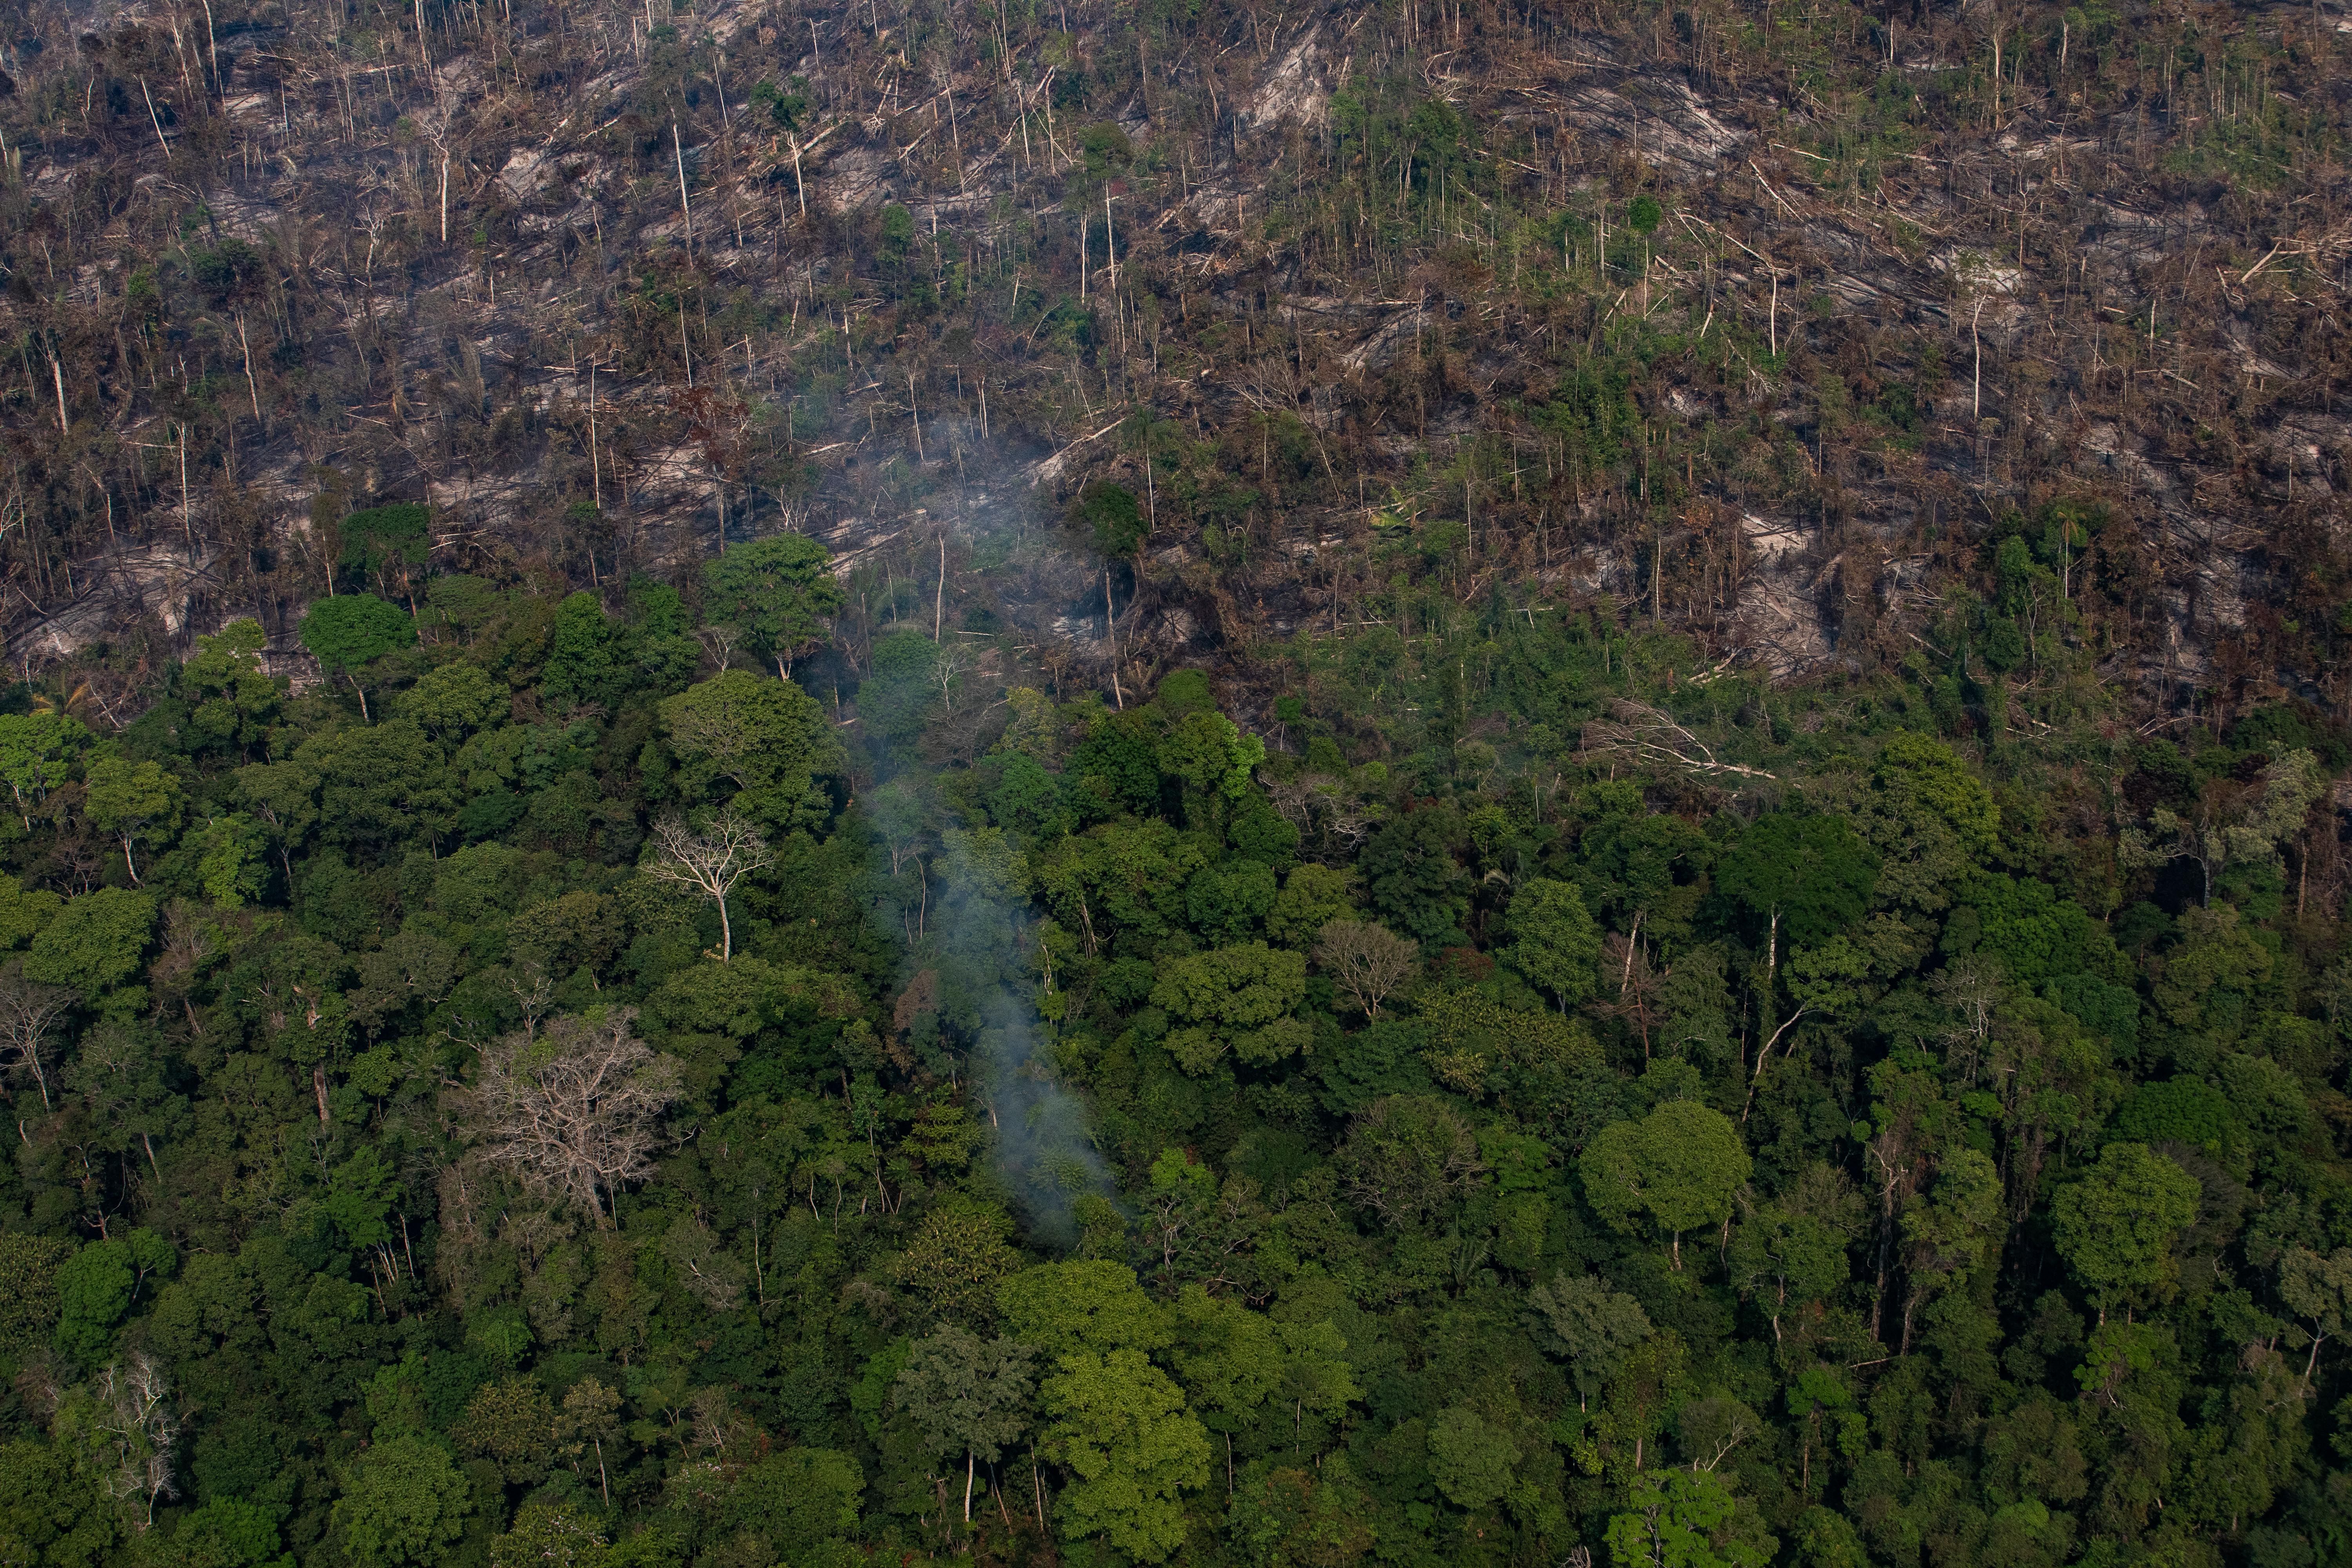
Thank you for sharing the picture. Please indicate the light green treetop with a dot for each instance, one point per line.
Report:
(1237, 998)
(131, 801)
(1119, 1425)
(1679, 1165)
(1556, 942)
(403, 1502)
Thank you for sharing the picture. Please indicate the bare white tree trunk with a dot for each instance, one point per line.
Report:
(711, 861)
(29, 1015)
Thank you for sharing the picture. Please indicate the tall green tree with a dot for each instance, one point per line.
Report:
(1807, 877)
(1554, 941)
(38, 752)
(1680, 1165)
(98, 1286)
(1092, 1304)
(1416, 884)
(403, 1502)
(1589, 1326)
(798, 1505)
(776, 595)
(95, 943)
(582, 661)
(767, 738)
(1687, 1519)
(2318, 1289)
(1788, 1254)
(347, 633)
(388, 545)
(232, 702)
(131, 801)
(1470, 1457)
(1119, 1427)
(1238, 999)
(1951, 1231)
(2115, 1225)
(968, 1394)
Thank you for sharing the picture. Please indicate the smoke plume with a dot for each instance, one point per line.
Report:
(1043, 1144)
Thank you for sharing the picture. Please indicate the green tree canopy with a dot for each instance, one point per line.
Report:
(353, 631)
(967, 1395)
(1554, 941)
(232, 702)
(777, 593)
(2318, 1289)
(403, 1502)
(1292, 1517)
(1805, 878)
(1312, 897)
(900, 687)
(1411, 1159)
(1207, 754)
(456, 700)
(1470, 1457)
(767, 738)
(96, 1285)
(1233, 998)
(548, 1536)
(1687, 1519)
(510, 1423)
(387, 543)
(228, 1532)
(1786, 1259)
(2115, 1224)
(37, 753)
(1119, 1425)
(1680, 1165)
(52, 1509)
(1113, 519)
(794, 1503)
(131, 801)
(1089, 1304)
(95, 943)
(582, 661)
(1591, 1327)
(1416, 884)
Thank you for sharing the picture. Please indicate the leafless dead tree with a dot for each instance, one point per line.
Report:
(719, 640)
(29, 1024)
(1315, 802)
(574, 1110)
(711, 861)
(1971, 987)
(1365, 960)
(137, 1413)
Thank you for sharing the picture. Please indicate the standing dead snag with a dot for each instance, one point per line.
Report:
(574, 1112)
(1366, 961)
(711, 861)
(138, 1423)
(29, 1015)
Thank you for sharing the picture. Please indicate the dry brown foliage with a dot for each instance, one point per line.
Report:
(1366, 960)
(574, 1110)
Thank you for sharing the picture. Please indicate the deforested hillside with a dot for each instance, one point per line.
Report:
(1763, 323)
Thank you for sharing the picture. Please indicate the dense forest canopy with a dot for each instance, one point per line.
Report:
(536, 1095)
(795, 786)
